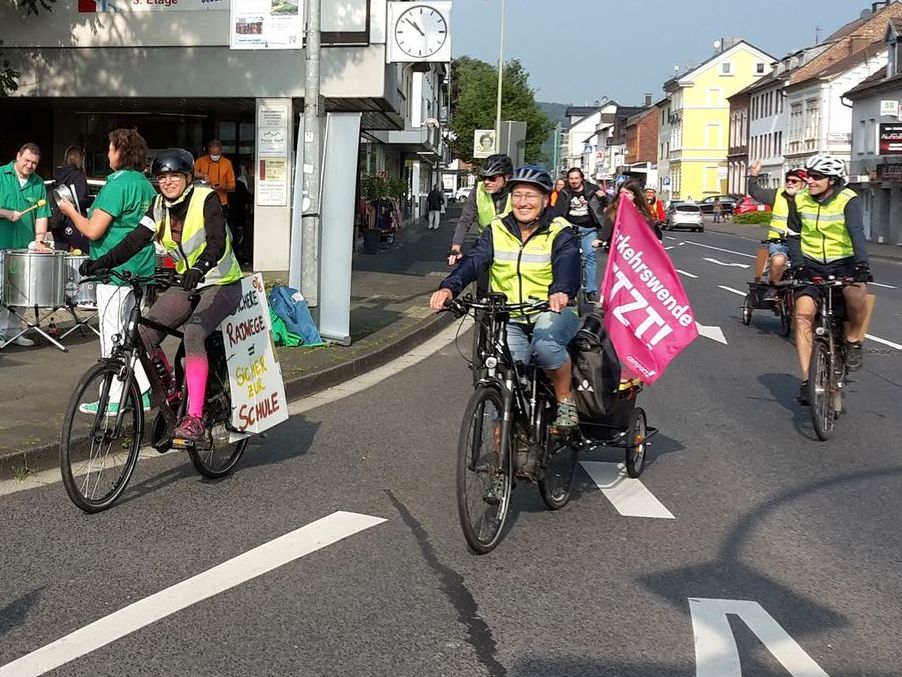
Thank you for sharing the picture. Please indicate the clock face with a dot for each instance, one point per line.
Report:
(421, 31)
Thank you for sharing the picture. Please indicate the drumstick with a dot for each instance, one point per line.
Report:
(40, 203)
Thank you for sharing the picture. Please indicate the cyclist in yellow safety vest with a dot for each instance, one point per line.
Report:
(188, 222)
(784, 222)
(530, 254)
(488, 199)
(832, 243)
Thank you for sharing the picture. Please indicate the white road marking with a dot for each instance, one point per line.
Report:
(681, 244)
(727, 265)
(667, 237)
(668, 248)
(446, 336)
(885, 286)
(683, 272)
(877, 339)
(730, 289)
(629, 496)
(720, 249)
(233, 572)
(716, 654)
(714, 333)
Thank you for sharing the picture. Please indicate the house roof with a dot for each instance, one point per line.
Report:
(840, 65)
(580, 111)
(872, 84)
(675, 80)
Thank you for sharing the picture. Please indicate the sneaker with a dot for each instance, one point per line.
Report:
(592, 296)
(567, 418)
(854, 356)
(191, 429)
(21, 341)
(770, 294)
(802, 397)
(113, 407)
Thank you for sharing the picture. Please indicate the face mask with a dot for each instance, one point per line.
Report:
(215, 158)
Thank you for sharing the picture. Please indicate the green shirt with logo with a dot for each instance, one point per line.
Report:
(16, 197)
(126, 197)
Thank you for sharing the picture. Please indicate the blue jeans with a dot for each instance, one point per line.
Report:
(551, 332)
(590, 277)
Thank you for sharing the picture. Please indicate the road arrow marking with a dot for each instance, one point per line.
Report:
(629, 496)
(683, 272)
(714, 333)
(716, 654)
(726, 265)
(730, 289)
(238, 570)
(719, 249)
(877, 339)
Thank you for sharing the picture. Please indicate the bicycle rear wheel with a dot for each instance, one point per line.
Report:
(820, 391)
(637, 434)
(747, 310)
(221, 455)
(484, 471)
(99, 447)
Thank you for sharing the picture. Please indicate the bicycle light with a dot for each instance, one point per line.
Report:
(491, 362)
(820, 331)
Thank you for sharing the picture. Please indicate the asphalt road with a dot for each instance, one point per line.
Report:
(797, 538)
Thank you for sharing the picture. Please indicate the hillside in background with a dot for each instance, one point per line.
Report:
(555, 113)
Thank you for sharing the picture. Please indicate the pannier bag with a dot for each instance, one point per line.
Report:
(596, 369)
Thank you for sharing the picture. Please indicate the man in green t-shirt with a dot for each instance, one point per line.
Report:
(23, 217)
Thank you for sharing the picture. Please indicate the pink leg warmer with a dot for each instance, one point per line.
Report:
(196, 368)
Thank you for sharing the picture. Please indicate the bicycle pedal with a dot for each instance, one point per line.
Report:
(179, 443)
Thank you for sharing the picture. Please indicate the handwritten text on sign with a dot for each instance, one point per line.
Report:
(255, 376)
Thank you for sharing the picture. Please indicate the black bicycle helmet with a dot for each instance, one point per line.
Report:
(532, 175)
(173, 160)
(497, 164)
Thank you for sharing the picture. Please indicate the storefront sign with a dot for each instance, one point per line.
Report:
(839, 139)
(266, 24)
(131, 6)
(255, 376)
(889, 138)
(889, 172)
(272, 184)
(889, 107)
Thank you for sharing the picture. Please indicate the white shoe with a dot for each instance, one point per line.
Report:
(21, 341)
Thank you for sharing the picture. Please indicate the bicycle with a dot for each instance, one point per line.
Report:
(827, 368)
(505, 430)
(758, 298)
(102, 432)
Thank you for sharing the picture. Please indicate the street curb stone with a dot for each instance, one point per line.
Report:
(46, 456)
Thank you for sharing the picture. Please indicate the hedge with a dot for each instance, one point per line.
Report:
(753, 217)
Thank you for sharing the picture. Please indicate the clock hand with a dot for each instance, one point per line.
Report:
(413, 23)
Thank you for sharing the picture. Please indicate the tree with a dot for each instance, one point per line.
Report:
(474, 91)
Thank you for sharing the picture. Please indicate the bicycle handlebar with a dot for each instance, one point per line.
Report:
(161, 277)
(462, 305)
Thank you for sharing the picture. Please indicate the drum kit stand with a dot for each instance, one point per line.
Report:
(48, 282)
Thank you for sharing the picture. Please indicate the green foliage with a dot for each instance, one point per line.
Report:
(9, 76)
(382, 187)
(753, 217)
(474, 91)
(34, 6)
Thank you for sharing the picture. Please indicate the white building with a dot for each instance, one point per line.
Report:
(583, 121)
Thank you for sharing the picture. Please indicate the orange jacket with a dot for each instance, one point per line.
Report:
(220, 175)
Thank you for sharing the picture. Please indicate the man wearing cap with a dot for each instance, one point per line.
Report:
(23, 217)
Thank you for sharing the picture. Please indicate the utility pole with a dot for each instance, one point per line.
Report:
(500, 80)
(557, 149)
(310, 223)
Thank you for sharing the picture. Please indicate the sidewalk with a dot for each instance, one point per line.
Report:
(879, 251)
(389, 316)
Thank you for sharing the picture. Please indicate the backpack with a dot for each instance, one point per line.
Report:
(596, 369)
(289, 304)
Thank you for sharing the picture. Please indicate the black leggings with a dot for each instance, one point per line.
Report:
(174, 308)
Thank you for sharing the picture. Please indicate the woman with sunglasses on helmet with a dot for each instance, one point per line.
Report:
(187, 221)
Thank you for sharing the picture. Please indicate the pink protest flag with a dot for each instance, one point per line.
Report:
(647, 313)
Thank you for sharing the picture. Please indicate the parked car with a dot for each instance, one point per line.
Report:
(727, 202)
(462, 193)
(684, 215)
(749, 204)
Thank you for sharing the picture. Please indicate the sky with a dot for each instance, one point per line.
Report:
(577, 51)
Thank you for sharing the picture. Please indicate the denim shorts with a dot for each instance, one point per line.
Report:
(546, 339)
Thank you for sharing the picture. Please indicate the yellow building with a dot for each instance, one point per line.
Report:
(695, 124)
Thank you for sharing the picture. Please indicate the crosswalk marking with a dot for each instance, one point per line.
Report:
(629, 496)
(233, 572)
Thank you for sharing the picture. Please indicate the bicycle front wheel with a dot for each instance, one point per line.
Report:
(101, 436)
(484, 471)
(820, 391)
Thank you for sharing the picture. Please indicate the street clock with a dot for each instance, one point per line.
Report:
(419, 31)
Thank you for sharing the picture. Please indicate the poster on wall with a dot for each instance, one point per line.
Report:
(889, 138)
(272, 150)
(130, 6)
(266, 24)
(483, 142)
(272, 184)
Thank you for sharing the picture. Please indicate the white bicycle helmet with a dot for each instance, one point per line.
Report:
(826, 164)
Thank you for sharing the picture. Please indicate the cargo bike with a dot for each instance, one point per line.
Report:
(773, 297)
(505, 430)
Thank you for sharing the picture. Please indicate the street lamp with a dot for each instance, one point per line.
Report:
(500, 79)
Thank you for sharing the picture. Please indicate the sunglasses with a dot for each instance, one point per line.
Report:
(794, 179)
(816, 176)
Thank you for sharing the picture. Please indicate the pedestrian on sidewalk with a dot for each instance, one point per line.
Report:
(434, 201)
(718, 210)
(22, 220)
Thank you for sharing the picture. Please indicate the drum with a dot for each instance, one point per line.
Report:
(2, 276)
(35, 279)
(78, 294)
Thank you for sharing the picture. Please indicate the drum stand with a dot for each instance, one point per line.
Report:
(81, 323)
(36, 326)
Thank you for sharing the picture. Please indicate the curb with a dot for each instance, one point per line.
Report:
(46, 456)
